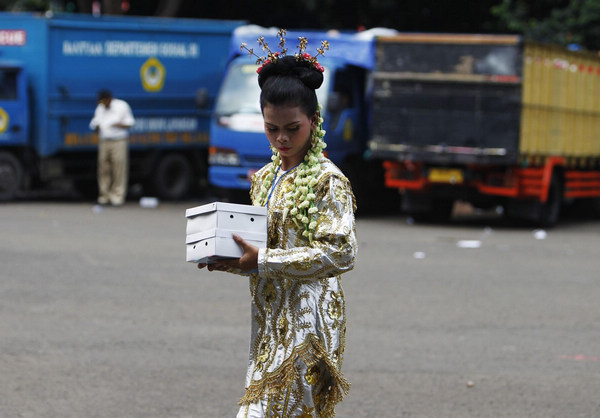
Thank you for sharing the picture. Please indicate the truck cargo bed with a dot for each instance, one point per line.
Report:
(490, 99)
(442, 102)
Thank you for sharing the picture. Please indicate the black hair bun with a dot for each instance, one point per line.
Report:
(290, 66)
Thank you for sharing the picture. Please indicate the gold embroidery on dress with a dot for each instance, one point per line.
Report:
(306, 412)
(334, 308)
(282, 325)
(311, 351)
(336, 355)
(264, 354)
(305, 311)
(287, 401)
(255, 347)
(297, 394)
(269, 294)
(339, 353)
(312, 375)
(340, 195)
(303, 265)
(276, 406)
(322, 306)
(259, 317)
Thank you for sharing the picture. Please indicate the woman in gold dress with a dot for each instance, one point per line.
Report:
(298, 307)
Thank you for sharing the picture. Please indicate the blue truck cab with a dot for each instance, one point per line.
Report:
(51, 69)
(238, 145)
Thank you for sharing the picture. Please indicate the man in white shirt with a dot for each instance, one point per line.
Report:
(112, 120)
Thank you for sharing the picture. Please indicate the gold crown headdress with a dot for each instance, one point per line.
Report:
(272, 57)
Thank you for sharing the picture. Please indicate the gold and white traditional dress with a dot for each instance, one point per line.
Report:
(298, 309)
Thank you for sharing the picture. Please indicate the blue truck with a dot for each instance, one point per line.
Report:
(238, 146)
(51, 68)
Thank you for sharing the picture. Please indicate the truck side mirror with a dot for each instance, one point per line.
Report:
(202, 98)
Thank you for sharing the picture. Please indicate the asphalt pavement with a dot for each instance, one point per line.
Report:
(100, 316)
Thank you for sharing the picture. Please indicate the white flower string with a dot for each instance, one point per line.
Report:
(300, 199)
(268, 181)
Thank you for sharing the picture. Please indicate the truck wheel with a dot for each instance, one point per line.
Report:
(550, 210)
(442, 209)
(172, 178)
(425, 208)
(11, 175)
(440, 212)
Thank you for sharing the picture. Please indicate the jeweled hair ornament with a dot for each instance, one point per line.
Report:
(272, 57)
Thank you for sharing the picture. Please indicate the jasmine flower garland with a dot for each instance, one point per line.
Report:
(268, 182)
(300, 199)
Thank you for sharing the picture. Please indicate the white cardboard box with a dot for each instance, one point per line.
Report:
(210, 227)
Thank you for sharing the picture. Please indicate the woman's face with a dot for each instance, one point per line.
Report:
(289, 131)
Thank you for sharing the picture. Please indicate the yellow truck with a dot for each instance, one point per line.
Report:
(487, 119)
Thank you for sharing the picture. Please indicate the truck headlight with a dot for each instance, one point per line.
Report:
(222, 156)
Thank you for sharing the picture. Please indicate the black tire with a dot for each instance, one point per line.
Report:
(440, 211)
(550, 210)
(173, 177)
(11, 176)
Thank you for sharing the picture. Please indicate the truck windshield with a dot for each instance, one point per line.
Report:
(8, 84)
(240, 92)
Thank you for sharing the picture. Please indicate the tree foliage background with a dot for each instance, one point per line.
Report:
(564, 22)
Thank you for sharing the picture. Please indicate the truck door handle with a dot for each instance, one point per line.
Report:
(16, 128)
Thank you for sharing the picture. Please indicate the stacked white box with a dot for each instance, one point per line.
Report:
(210, 227)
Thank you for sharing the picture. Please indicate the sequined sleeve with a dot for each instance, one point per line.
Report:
(334, 246)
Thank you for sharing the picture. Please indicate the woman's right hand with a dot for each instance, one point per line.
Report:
(213, 266)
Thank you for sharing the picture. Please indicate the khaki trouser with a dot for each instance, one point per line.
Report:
(113, 170)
